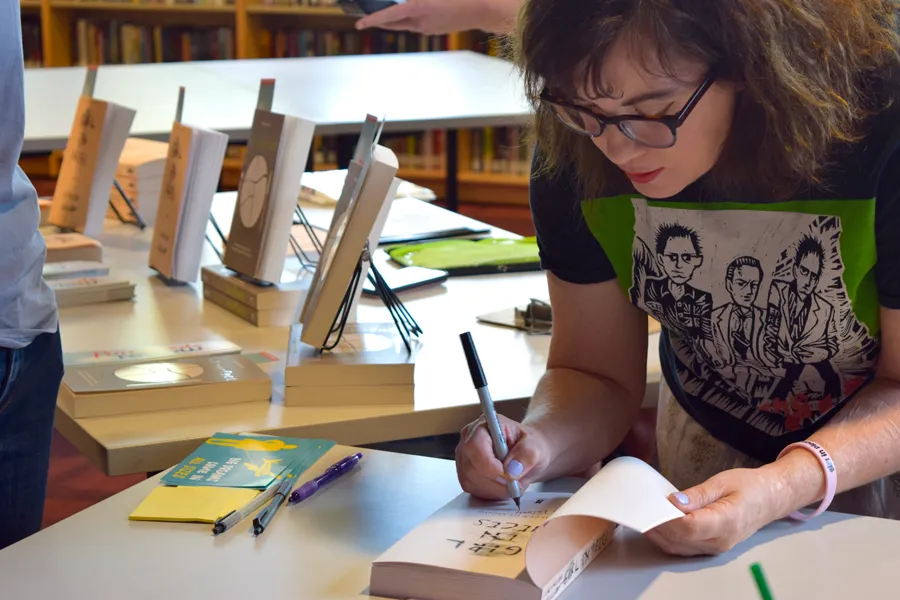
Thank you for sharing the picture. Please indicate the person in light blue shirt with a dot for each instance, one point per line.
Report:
(30, 349)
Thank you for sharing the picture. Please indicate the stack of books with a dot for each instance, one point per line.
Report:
(276, 305)
(74, 269)
(140, 174)
(80, 282)
(104, 389)
(369, 366)
(63, 247)
(91, 290)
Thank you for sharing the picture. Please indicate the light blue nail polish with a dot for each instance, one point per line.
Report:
(514, 468)
(682, 498)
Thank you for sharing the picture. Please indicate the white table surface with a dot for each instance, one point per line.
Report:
(323, 549)
(415, 91)
(445, 400)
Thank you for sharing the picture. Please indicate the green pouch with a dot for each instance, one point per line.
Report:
(470, 257)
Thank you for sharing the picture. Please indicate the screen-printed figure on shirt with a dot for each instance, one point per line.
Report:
(758, 314)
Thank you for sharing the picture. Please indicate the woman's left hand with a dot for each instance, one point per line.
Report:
(721, 512)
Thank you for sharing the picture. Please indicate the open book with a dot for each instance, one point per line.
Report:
(478, 549)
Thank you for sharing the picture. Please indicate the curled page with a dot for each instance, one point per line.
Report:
(626, 491)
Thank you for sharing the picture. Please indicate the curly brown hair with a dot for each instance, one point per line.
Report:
(808, 71)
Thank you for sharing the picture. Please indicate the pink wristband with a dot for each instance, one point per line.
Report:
(827, 467)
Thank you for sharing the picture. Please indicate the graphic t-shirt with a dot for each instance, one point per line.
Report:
(770, 309)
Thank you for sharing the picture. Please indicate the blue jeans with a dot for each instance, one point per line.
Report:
(29, 382)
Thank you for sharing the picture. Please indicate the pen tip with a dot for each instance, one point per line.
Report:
(518, 503)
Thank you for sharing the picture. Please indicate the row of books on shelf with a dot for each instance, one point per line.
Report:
(116, 42)
(296, 42)
(500, 150)
(505, 150)
(100, 41)
(168, 2)
(32, 46)
(300, 2)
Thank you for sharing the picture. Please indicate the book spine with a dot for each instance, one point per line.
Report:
(579, 563)
(231, 305)
(229, 288)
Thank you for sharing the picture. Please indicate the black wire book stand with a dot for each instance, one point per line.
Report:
(406, 325)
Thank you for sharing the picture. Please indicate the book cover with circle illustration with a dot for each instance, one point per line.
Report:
(104, 389)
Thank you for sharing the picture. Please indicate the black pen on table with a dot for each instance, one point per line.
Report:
(487, 409)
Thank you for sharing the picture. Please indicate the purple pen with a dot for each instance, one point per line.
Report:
(333, 472)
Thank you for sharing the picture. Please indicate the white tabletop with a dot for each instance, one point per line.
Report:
(445, 400)
(51, 96)
(415, 91)
(323, 548)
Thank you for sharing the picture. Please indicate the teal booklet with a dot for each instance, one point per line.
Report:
(245, 460)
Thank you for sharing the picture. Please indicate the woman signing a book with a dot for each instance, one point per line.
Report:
(732, 169)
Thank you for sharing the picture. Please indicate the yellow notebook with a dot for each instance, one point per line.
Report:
(191, 504)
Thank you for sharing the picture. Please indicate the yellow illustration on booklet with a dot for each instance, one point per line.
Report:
(244, 460)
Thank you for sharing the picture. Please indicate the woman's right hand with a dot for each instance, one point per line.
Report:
(479, 471)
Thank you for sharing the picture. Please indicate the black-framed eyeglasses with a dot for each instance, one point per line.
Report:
(655, 132)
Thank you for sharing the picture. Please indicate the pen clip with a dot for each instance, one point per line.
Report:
(222, 518)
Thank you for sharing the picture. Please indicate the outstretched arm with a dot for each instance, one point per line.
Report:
(435, 17)
(863, 439)
(596, 375)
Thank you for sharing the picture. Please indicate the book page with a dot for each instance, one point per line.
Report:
(476, 536)
(626, 491)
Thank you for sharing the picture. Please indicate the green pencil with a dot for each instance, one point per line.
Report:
(761, 584)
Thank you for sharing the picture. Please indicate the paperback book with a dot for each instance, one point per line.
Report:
(150, 353)
(65, 247)
(89, 164)
(71, 269)
(244, 460)
(190, 180)
(368, 354)
(91, 290)
(267, 195)
(105, 389)
(478, 549)
(356, 226)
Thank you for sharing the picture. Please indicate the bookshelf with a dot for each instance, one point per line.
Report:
(60, 33)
